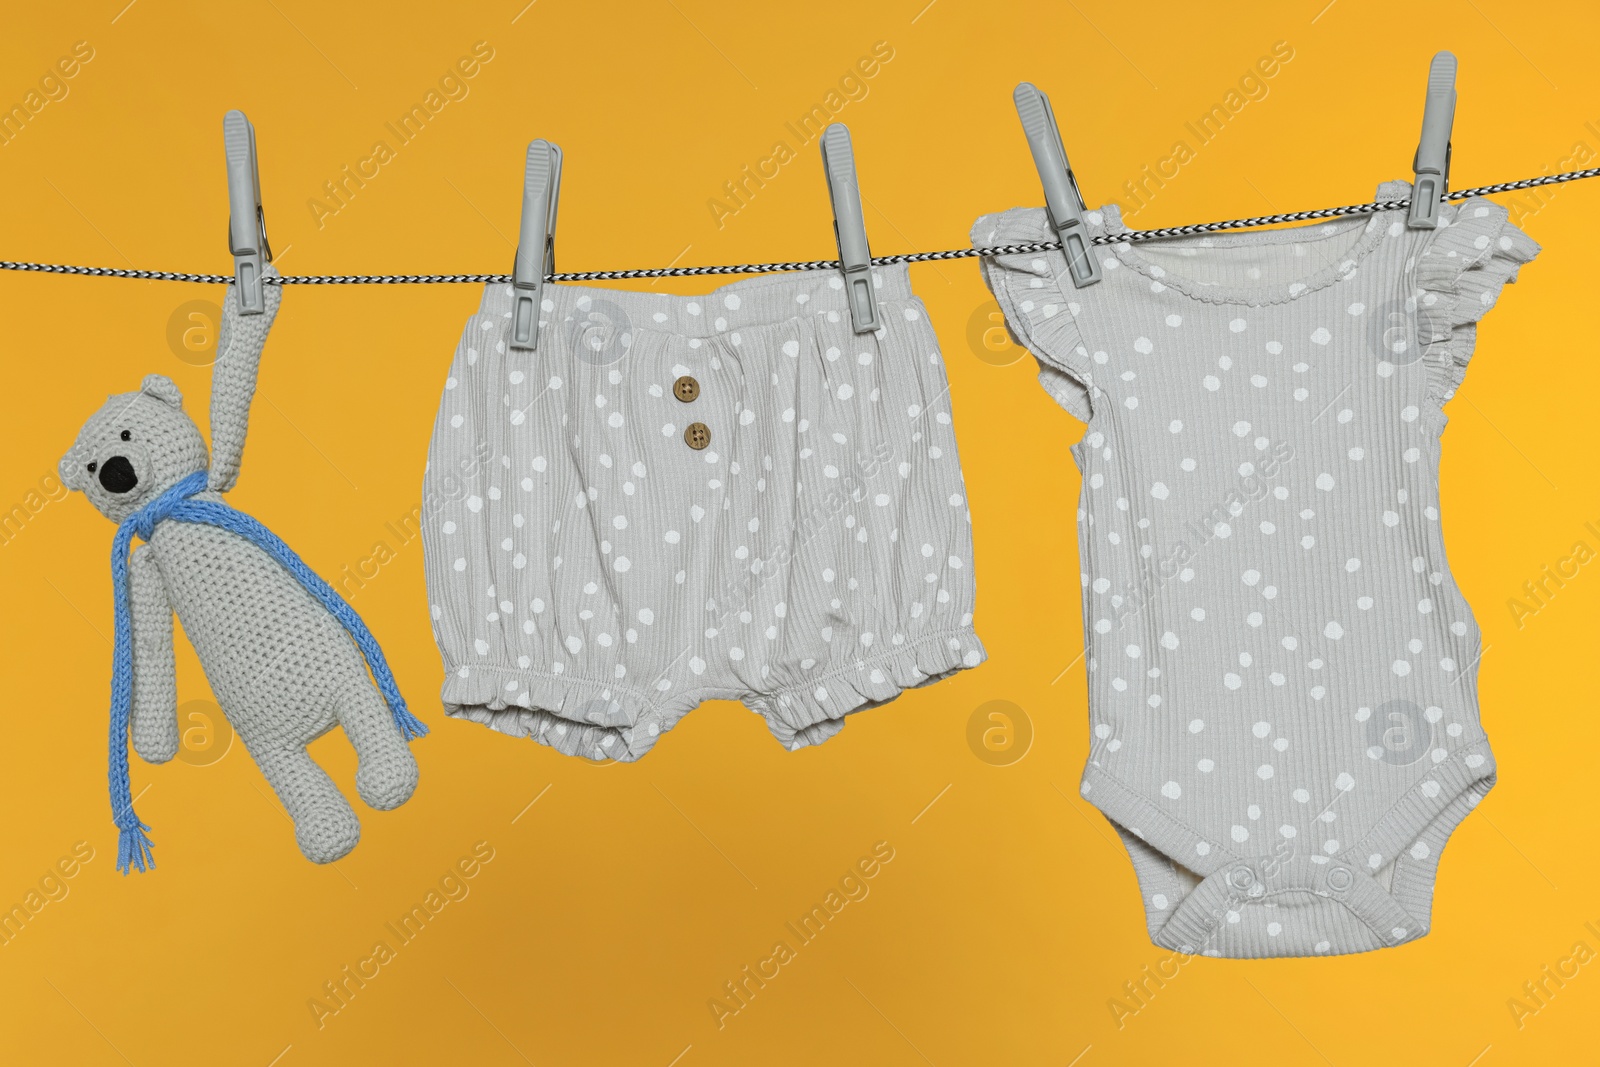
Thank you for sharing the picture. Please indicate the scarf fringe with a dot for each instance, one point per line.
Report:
(134, 850)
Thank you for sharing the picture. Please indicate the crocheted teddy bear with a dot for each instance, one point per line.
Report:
(286, 658)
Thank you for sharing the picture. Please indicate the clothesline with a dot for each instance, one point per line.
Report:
(815, 264)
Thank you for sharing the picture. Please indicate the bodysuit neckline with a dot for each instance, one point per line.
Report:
(1249, 293)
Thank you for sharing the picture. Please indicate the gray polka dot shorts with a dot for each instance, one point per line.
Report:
(676, 499)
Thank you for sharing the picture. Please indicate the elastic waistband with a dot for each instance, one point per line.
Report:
(762, 301)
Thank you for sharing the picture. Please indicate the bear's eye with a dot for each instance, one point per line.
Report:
(92, 466)
(127, 435)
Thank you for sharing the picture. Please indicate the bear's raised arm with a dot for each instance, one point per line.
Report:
(233, 381)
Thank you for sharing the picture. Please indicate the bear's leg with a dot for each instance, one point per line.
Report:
(324, 826)
(387, 772)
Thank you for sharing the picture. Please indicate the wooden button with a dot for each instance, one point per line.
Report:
(686, 389)
(697, 435)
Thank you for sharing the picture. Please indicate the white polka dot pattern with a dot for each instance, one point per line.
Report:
(1281, 671)
(593, 577)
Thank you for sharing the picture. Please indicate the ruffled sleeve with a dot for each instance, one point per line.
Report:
(1459, 274)
(1030, 291)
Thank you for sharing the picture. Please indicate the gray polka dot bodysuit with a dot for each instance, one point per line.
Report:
(1281, 669)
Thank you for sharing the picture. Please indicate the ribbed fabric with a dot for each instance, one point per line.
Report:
(1281, 670)
(593, 578)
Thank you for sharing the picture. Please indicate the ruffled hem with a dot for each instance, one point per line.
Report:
(601, 721)
(814, 710)
(575, 716)
(1459, 275)
(1038, 314)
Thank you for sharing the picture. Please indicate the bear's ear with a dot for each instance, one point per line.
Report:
(162, 388)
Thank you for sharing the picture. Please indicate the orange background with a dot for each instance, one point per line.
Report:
(620, 899)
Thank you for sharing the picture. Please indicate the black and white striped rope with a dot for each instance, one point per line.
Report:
(814, 264)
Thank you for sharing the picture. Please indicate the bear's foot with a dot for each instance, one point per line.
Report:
(324, 825)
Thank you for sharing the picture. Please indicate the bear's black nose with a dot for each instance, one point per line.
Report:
(116, 474)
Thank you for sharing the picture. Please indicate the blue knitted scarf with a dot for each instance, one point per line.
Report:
(133, 844)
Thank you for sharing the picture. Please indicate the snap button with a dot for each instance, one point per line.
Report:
(1340, 879)
(1242, 878)
(697, 435)
(686, 389)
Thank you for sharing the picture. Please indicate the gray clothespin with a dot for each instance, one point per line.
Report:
(1063, 201)
(1432, 164)
(247, 223)
(849, 227)
(536, 242)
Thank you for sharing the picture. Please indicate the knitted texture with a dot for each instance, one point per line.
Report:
(1281, 671)
(175, 504)
(286, 659)
(594, 576)
(233, 379)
